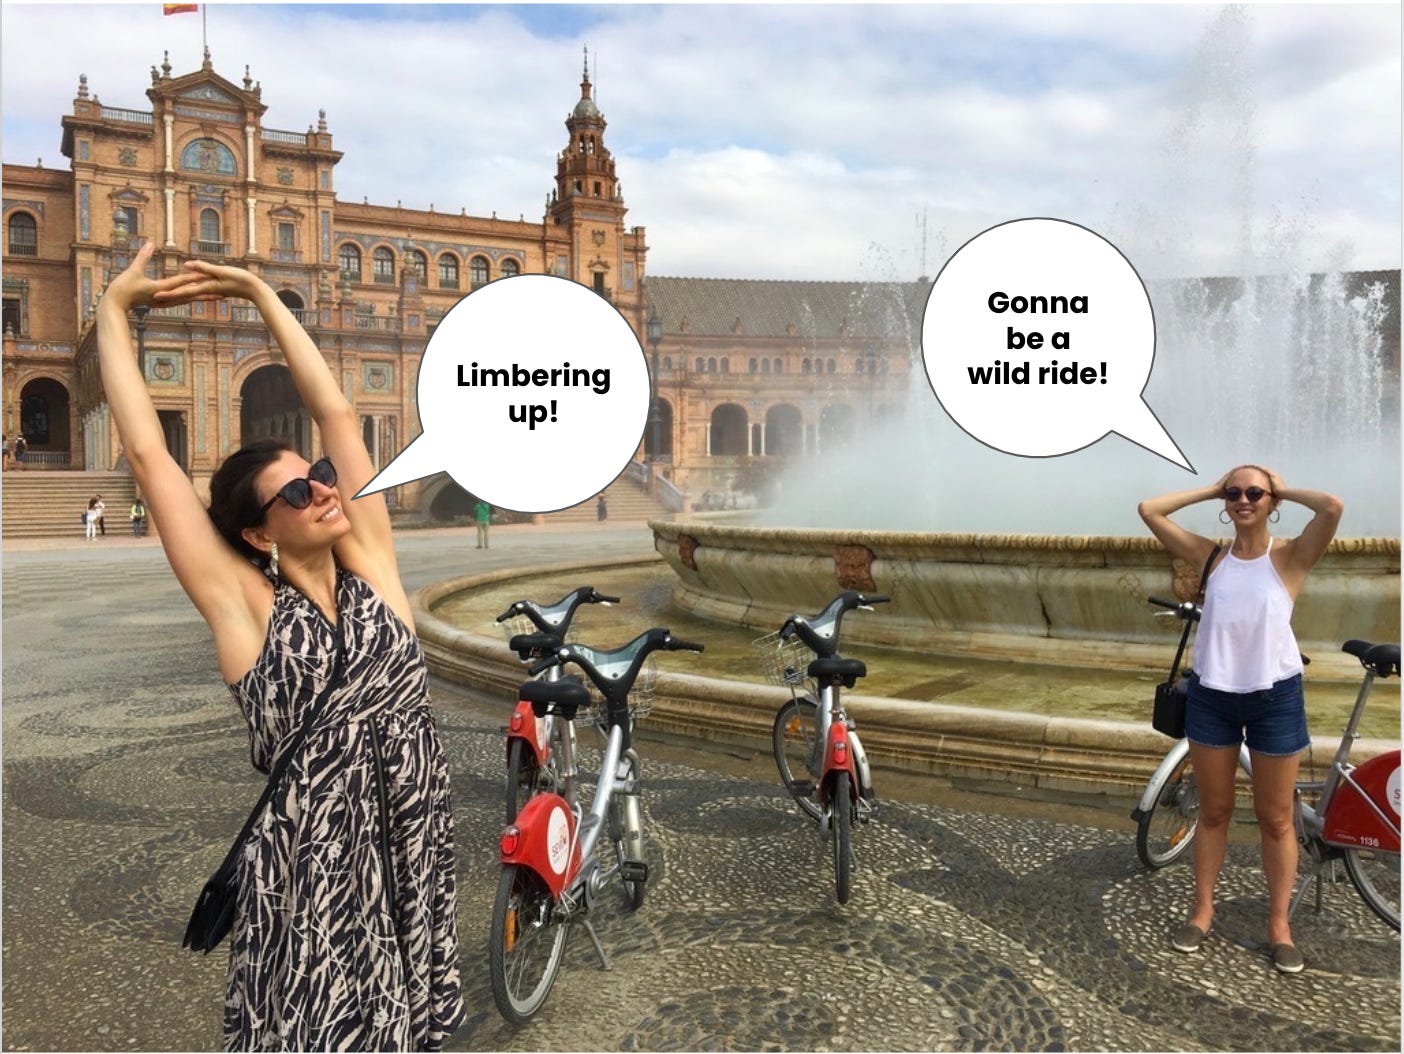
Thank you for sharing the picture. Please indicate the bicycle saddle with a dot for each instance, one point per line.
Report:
(563, 697)
(845, 671)
(1382, 658)
(534, 645)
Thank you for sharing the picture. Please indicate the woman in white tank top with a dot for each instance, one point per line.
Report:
(1247, 681)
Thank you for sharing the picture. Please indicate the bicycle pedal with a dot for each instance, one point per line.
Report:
(633, 871)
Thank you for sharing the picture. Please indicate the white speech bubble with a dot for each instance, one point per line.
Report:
(1069, 391)
(533, 395)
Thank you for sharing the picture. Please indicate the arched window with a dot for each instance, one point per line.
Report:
(418, 263)
(711, 365)
(804, 366)
(510, 268)
(833, 366)
(350, 260)
(24, 235)
(765, 365)
(210, 240)
(448, 272)
(751, 366)
(779, 365)
(383, 264)
(726, 365)
(701, 365)
(478, 271)
(668, 363)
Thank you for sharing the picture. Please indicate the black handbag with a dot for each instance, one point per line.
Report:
(213, 916)
(1168, 714)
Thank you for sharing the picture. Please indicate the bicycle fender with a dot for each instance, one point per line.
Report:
(1350, 820)
(837, 757)
(526, 726)
(1177, 754)
(545, 841)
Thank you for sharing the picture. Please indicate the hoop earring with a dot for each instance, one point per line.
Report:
(1223, 518)
(1274, 515)
(273, 560)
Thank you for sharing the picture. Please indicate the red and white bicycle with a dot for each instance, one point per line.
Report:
(551, 874)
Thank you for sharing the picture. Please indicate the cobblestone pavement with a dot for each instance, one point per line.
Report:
(970, 927)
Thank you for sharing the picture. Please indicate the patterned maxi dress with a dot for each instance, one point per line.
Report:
(345, 935)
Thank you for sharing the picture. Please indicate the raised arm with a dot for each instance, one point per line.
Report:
(1307, 548)
(223, 585)
(369, 549)
(1185, 544)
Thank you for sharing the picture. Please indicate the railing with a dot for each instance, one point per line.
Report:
(388, 325)
(19, 248)
(46, 458)
(384, 279)
(287, 256)
(273, 135)
(204, 248)
(114, 113)
(177, 311)
(447, 283)
(668, 494)
(247, 313)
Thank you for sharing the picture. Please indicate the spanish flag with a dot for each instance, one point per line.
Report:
(179, 9)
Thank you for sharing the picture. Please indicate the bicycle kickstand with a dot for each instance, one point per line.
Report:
(599, 948)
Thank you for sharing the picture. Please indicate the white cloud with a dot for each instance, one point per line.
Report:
(784, 141)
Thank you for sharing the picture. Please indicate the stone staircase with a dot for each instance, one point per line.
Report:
(47, 504)
(627, 500)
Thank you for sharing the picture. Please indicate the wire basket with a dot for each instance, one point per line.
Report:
(641, 695)
(515, 626)
(782, 662)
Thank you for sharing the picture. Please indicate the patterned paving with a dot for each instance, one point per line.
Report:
(126, 773)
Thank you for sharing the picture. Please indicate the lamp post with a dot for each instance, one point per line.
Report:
(140, 312)
(655, 419)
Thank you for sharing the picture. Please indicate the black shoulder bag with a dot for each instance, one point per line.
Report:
(1170, 696)
(213, 916)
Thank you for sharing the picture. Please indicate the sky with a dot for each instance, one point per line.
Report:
(811, 141)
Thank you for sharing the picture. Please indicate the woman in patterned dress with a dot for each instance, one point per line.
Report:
(345, 933)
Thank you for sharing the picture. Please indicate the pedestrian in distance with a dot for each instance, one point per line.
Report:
(482, 515)
(601, 510)
(21, 448)
(1246, 685)
(90, 519)
(4, 452)
(138, 518)
(101, 508)
(344, 934)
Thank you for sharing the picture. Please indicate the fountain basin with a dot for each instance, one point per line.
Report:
(1065, 600)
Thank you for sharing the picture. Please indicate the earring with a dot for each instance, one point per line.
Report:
(273, 560)
(1274, 515)
(1223, 517)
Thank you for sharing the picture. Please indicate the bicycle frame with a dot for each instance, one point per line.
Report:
(552, 837)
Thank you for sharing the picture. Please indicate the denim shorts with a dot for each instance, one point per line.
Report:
(1271, 721)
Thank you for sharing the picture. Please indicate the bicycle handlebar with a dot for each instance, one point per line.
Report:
(555, 618)
(821, 633)
(1186, 610)
(614, 672)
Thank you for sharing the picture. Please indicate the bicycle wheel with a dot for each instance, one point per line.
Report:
(525, 944)
(1376, 876)
(523, 777)
(842, 835)
(1168, 827)
(626, 831)
(793, 740)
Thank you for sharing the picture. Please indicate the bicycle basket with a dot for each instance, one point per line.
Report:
(640, 695)
(782, 662)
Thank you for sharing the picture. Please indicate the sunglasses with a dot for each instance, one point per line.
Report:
(298, 492)
(1253, 494)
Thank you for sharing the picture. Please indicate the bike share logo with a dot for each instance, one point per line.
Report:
(558, 840)
(1392, 790)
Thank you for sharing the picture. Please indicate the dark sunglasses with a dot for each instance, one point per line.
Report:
(298, 492)
(1253, 494)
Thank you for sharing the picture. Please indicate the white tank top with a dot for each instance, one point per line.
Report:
(1245, 641)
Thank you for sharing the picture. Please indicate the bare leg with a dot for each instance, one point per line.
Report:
(1274, 779)
(1214, 775)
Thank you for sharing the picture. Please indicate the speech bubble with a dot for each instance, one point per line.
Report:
(533, 395)
(1038, 339)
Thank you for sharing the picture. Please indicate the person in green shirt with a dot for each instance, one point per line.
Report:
(482, 512)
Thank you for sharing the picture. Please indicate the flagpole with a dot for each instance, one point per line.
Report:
(205, 27)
